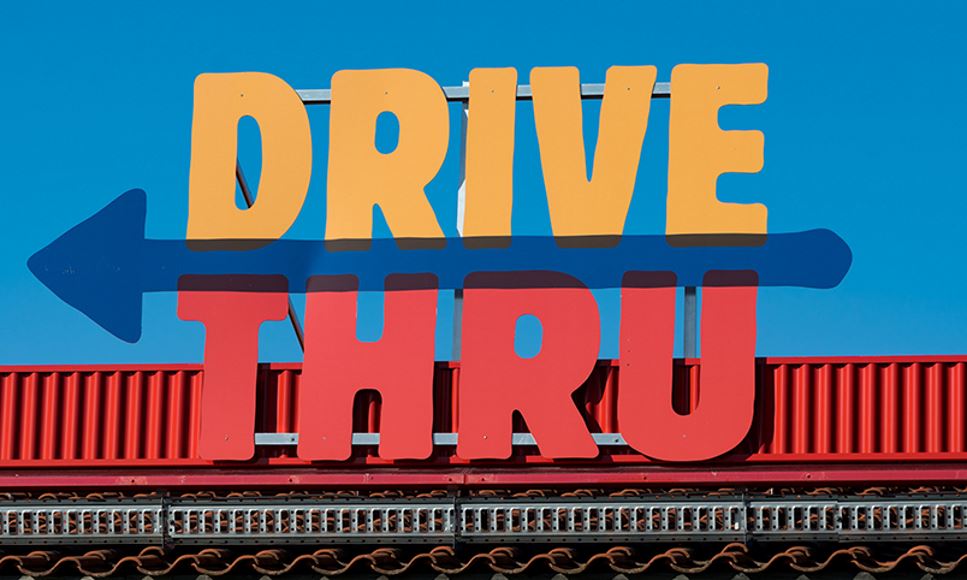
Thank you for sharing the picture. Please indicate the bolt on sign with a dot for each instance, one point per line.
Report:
(235, 272)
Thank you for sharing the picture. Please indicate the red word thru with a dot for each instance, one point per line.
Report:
(495, 382)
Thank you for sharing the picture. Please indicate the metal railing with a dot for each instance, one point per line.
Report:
(454, 520)
(44, 523)
(334, 521)
(630, 520)
(848, 520)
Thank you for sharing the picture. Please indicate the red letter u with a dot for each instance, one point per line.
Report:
(725, 407)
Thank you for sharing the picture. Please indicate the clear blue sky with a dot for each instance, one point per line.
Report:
(865, 130)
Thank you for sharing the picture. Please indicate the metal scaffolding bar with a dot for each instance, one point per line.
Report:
(662, 90)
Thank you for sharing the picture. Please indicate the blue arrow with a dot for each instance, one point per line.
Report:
(103, 265)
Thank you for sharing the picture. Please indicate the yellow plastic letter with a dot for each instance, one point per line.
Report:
(698, 151)
(361, 177)
(598, 206)
(220, 101)
(490, 153)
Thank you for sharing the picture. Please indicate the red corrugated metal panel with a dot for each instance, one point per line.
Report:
(808, 410)
(860, 409)
(88, 416)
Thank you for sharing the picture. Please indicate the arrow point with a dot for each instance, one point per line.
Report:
(95, 266)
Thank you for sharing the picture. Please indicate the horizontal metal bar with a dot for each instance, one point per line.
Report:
(441, 439)
(456, 94)
(271, 439)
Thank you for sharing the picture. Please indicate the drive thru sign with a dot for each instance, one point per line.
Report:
(235, 272)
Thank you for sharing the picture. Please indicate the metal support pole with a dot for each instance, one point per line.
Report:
(457, 349)
(691, 322)
(249, 201)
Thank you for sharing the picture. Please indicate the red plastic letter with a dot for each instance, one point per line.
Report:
(337, 366)
(495, 381)
(232, 319)
(725, 407)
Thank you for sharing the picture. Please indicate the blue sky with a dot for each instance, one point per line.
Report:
(864, 126)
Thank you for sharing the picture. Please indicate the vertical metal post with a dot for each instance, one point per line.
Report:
(249, 201)
(457, 349)
(690, 332)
